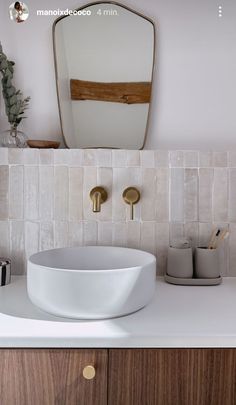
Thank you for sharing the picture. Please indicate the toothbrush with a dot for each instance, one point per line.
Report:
(224, 236)
(214, 239)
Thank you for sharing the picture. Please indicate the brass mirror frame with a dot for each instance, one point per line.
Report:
(56, 68)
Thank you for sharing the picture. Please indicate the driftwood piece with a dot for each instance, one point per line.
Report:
(127, 93)
(41, 144)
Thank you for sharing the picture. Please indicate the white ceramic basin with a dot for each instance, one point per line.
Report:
(93, 282)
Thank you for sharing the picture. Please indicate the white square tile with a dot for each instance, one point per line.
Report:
(90, 233)
(232, 158)
(147, 158)
(119, 158)
(133, 234)
(191, 233)
(31, 238)
(61, 234)
(46, 238)
(16, 192)
(133, 158)
(176, 232)
(4, 156)
(105, 233)
(89, 157)
(46, 192)
(220, 159)
(232, 195)
(17, 247)
(62, 157)
(191, 158)
(119, 234)
(162, 195)
(16, 156)
(206, 176)
(148, 237)
(205, 159)
(4, 192)
(4, 239)
(162, 243)
(205, 232)
(190, 195)
(220, 195)
(75, 193)
(104, 157)
(176, 158)
(75, 157)
(177, 195)
(31, 192)
(75, 233)
(46, 157)
(161, 158)
(149, 194)
(61, 193)
(30, 156)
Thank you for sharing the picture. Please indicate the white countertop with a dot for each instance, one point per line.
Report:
(177, 317)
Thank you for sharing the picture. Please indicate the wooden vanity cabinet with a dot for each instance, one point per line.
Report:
(52, 377)
(123, 377)
(172, 377)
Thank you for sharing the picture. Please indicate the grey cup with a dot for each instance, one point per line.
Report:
(180, 262)
(207, 263)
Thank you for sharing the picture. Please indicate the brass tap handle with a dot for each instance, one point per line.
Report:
(131, 196)
(98, 196)
(89, 372)
(131, 211)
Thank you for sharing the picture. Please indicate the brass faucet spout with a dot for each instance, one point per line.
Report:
(98, 196)
(97, 202)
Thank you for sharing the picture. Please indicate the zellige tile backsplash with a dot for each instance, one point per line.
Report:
(44, 200)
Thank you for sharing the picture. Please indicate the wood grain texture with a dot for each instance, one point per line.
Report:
(40, 144)
(172, 377)
(52, 377)
(128, 93)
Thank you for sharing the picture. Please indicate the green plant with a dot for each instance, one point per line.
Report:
(15, 104)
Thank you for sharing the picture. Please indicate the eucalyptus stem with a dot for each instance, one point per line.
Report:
(15, 104)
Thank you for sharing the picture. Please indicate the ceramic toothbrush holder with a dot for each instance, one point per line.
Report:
(207, 263)
(180, 262)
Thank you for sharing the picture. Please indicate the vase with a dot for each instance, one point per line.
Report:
(13, 138)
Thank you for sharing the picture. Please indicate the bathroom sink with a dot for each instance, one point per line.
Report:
(93, 282)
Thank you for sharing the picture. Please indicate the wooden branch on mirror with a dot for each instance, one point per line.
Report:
(127, 93)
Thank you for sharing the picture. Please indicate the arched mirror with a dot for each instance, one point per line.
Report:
(104, 57)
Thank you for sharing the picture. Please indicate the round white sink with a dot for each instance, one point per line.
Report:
(93, 282)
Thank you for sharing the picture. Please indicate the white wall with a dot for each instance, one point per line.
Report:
(64, 88)
(194, 100)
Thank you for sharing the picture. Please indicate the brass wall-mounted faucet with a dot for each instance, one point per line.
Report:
(131, 196)
(98, 196)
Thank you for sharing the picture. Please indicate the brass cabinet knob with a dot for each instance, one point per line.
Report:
(131, 196)
(89, 372)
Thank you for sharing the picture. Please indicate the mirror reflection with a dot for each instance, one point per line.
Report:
(104, 59)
